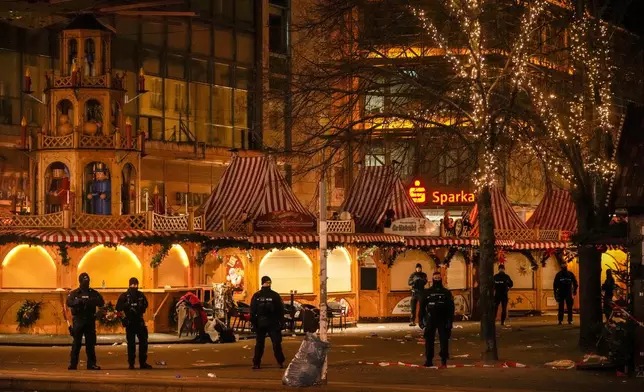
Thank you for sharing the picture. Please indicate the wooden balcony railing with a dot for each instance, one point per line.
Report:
(67, 220)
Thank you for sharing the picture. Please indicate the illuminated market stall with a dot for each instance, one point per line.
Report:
(85, 216)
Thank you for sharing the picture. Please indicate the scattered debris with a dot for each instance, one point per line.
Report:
(245, 347)
(564, 364)
(528, 346)
(161, 363)
(383, 364)
(200, 361)
(458, 326)
(212, 375)
(206, 364)
(461, 356)
(115, 344)
(195, 349)
(177, 376)
(109, 353)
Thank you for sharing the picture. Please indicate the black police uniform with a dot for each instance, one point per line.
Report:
(417, 281)
(609, 290)
(134, 304)
(83, 303)
(437, 313)
(502, 284)
(565, 286)
(267, 316)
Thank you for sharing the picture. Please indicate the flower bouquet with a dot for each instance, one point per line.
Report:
(28, 313)
(108, 316)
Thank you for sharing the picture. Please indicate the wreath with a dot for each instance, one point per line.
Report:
(28, 313)
(108, 316)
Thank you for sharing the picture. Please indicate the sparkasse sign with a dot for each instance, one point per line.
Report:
(463, 197)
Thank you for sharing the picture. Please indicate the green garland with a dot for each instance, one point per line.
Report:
(108, 316)
(157, 259)
(28, 313)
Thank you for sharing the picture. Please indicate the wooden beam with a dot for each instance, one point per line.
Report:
(140, 5)
(155, 13)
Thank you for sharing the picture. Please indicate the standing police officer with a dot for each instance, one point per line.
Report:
(565, 286)
(502, 284)
(437, 313)
(266, 317)
(83, 302)
(417, 281)
(609, 290)
(134, 304)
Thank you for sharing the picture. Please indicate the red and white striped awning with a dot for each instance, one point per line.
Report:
(82, 236)
(438, 241)
(313, 238)
(376, 190)
(429, 242)
(505, 218)
(555, 212)
(538, 245)
(251, 185)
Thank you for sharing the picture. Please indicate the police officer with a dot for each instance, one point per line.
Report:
(134, 304)
(502, 284)
(565, 286)
(83, 302)
(417, 281)
(609, 290)
(437, 313)
(266, 317)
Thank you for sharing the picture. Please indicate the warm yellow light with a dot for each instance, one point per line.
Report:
(298, 251)
(345, 253)
(416, 183)
(182, 255)
(128, 252)
(18, 248)
(23, 122)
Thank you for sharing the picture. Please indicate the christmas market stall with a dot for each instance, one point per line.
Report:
(379, 203)
(253, 199)
(81, 197)
(509, 228)
(553, 222)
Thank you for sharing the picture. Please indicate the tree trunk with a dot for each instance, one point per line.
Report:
(590, 269)
(486, 276)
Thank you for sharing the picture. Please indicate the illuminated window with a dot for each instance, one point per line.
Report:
(288, 269)
(338, 271)
(28, 267)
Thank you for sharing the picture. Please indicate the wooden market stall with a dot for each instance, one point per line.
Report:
(43, 264)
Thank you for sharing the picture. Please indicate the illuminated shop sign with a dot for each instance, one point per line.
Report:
(452, 198)
(418, 194)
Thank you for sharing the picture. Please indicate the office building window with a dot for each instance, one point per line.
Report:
(222, 74)
(176, 66)
(224, 44)
(177, 35)
(277, 31)
(152, 32)
(245, 10)
(199, 70)
(9, 87)
(201, 39)
(127, 28)
(151, 63)
(245, 48)
(224, 8)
